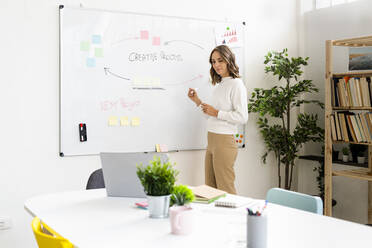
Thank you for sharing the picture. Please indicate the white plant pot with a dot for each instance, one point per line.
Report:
(158, 206)
(345, 158)
(361, 160)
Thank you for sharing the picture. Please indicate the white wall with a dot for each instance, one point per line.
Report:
(341, 21)
(29, 159)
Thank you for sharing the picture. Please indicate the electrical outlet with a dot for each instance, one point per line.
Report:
(5, 222)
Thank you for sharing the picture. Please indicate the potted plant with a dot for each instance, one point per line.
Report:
(345, 154)
(355, 150)
(157, 179)
(360, 157)
(181, 213)
(275, 106)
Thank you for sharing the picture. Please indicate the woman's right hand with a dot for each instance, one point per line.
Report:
(194, 96)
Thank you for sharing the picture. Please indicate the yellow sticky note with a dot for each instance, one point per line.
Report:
(124, 121)
(113, 121)
(157, 148)
(135, 121)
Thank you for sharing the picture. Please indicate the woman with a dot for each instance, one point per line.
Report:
(227, 109)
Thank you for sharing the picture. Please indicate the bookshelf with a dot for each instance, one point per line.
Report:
(333, 107)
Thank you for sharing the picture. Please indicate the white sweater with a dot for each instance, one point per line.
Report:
(230, 99)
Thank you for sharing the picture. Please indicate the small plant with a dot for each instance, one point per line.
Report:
(345, 151)
(181, 195)
(360, 154)
(157, 178)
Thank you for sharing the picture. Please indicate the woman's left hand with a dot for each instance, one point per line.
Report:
(209, 110)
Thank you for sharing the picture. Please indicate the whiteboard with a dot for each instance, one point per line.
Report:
(126, 77)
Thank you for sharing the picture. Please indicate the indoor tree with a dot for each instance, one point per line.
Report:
(274, 107)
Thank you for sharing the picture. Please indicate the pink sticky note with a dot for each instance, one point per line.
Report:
(144, 35)
(156, 41)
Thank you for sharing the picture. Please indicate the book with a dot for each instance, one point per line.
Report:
(233, 201)
(333, 128)
(206, 194)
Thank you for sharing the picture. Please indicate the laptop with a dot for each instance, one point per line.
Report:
(120, 172)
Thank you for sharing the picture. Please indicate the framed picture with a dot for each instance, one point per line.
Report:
(360, 58)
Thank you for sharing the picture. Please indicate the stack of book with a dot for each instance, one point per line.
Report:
(351, 92)
(348, 126)
(206, 194)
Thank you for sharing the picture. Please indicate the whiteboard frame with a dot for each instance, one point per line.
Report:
(61, 7)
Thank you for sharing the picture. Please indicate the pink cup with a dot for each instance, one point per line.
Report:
(182, 219)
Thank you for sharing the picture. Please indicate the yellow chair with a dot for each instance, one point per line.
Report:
(46, 237)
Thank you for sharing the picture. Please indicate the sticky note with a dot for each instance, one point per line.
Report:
(124, 121)
(135, 121)
(84, 46)
(144, 35)
(98, 52)
(96, 39)
(113, 121)
(163, 148)
(156, 41)
(91, 62)
(157, 147)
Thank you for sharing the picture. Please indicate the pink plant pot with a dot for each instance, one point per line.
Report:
(182, 219)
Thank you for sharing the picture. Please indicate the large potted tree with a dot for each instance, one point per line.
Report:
(158, 179)
(275, 106)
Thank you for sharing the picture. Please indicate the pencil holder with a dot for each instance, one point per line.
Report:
(256, 231)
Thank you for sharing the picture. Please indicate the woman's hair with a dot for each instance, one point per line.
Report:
(228, 56)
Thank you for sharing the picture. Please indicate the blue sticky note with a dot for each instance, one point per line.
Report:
(91, 62)
(96, 39)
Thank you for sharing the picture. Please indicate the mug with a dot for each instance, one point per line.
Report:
(181, 219)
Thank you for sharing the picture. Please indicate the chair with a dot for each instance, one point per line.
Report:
(297, 200)
(96, 180)
(46, 237)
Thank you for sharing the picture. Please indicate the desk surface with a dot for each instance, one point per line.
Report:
(90, 219)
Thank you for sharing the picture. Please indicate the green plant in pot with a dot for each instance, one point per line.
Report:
(181, 214)
(275, 106)
(356, 150)
(158, 179)
(345, 154)
(360, 157)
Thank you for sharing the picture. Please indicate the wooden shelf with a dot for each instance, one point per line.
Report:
(321, 159)
(360, 173)
(352, 108)
(350, 142)
(365, 73)
(354, 42)
(363, 174)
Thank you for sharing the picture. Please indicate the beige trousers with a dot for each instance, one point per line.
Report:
(219, 162)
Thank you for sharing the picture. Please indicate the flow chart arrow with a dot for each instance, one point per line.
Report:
(107, 72)
(184, 41)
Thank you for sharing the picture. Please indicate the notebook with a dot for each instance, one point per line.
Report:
(233, 201)
(206, 194)
(120, 172)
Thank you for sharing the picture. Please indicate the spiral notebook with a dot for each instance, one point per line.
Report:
(233, 201)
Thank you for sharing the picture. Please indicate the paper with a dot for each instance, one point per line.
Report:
(113, 121)
(229, 34)
(96, 39)
(91, 62)
(156, 41)
(84, 46)
(144, 35)
(124, 121)
(98, 52)
(135, 121)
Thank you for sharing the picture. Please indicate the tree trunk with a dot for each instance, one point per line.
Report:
(279, 177)
(286, 176)
(291, 176)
